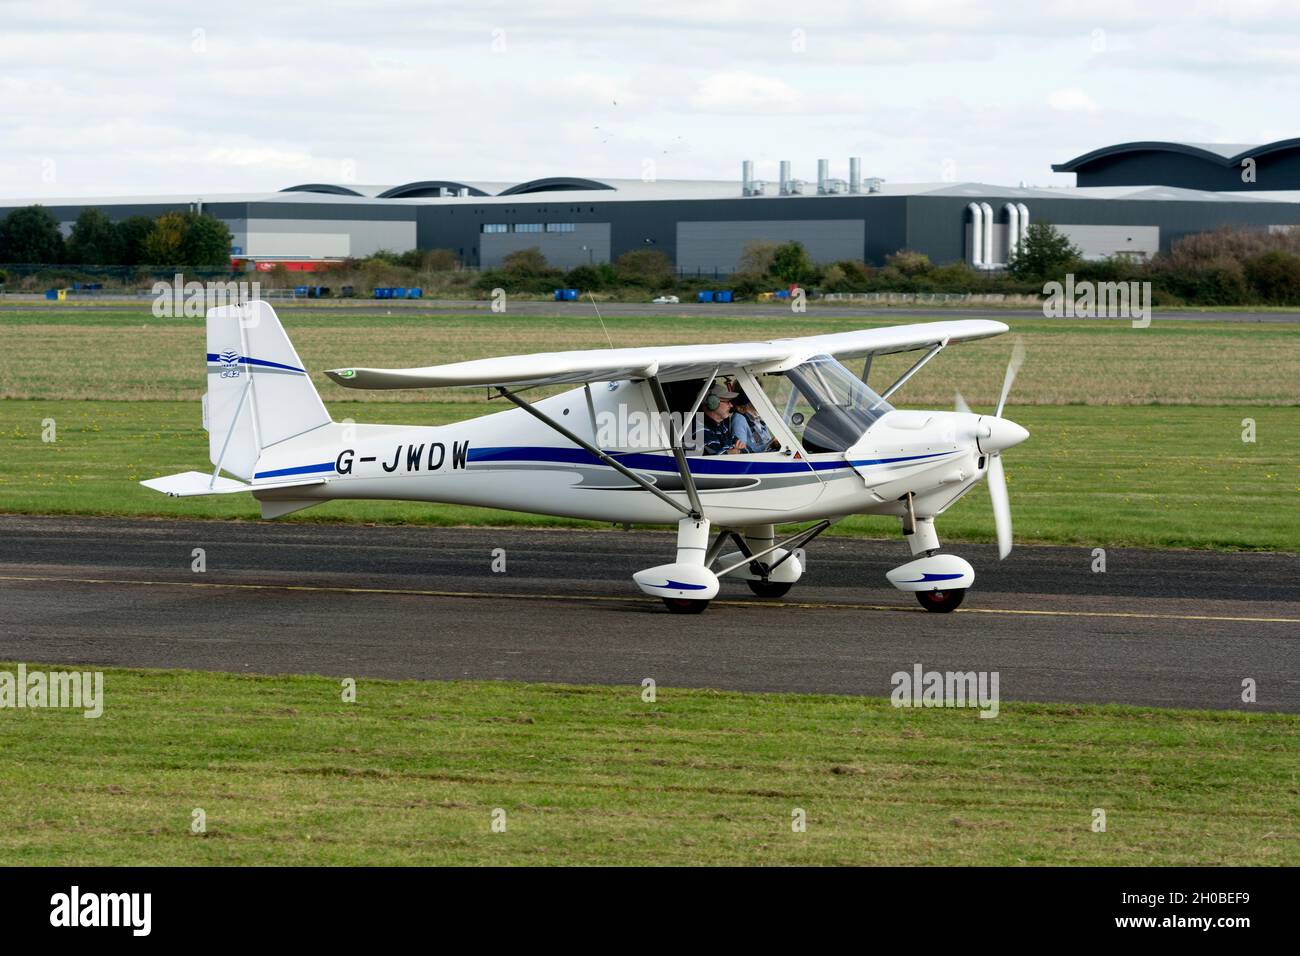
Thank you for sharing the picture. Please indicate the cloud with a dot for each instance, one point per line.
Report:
(745, 93)
(1072, 100)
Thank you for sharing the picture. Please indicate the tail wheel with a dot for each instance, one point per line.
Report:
(941, 602)
(770, 589)
(685, 605)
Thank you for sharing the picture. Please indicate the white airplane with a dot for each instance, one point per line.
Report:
(621, 446)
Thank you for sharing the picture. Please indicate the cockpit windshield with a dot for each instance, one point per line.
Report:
(824, 404)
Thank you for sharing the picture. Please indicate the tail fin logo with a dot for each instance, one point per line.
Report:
(229, 363)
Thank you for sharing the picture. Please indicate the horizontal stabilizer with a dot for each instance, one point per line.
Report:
(191, 483)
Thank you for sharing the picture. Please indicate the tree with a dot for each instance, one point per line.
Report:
(94, 240)
(132, 233)
(648, 267)
(31, 235)
(526, 262)
(162, 247)
(790, 263)
(756, 257)
(1043, 254)
(206, 241)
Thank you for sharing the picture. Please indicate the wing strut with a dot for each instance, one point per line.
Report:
(603, 456)
(676, 438)
(916, 367)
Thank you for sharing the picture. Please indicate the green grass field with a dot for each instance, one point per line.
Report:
(132, 355)
(1136, 432)
(1098, 476)
(286, 773)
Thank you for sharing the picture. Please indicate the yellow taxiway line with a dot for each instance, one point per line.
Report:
(413, 592)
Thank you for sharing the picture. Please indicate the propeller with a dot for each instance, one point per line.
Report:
(997, 433)
(1017, 360)
(1001, 505)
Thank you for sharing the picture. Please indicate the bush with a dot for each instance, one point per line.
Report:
(644, 267)
(526, 262)
(756, 258)
(592, 278)
(909, 263)
(1275, 277)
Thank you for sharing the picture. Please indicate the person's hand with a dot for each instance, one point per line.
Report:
(737, 448)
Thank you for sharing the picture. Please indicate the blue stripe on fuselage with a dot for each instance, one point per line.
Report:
(714, 465)
(719, 465)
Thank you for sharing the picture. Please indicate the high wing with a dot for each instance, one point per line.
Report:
(669, 363)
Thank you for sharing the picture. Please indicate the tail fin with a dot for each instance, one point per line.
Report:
(259, 393)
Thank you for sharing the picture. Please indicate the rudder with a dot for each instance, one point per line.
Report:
(259, 393)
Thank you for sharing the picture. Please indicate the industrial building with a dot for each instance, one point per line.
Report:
(1132, 199)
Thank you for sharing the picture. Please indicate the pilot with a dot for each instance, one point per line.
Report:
(717, 437)
(749, 428)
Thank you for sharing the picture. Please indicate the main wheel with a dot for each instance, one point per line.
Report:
(941, 602)
(685, 605)
(770, 589)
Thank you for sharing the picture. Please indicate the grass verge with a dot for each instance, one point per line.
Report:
(286, 773)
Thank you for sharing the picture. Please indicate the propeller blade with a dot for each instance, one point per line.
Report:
(1001, 505)
(960, 404)
(1017, 360)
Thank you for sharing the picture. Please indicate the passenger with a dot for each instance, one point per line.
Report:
(717, 436)
(749, 428)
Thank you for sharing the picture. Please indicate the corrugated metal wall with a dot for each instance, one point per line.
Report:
(717, 246)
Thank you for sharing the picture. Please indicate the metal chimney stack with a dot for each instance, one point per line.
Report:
(855, 174)
(823, 174)
(785, 177)
(747, 177)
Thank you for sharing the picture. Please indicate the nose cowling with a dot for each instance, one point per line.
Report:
(998, 434)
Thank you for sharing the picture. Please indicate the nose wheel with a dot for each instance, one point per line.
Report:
(685, 605)
(941, 602)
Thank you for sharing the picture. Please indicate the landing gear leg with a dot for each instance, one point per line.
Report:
(759, 538)
(687, 585)
(939, 581)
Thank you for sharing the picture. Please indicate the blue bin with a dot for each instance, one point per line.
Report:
(559, 295)
(300, 290)
(705, 296)
(415, 293)
(570, 295)
(723, 296)
(782, 293)
(51, 293)
(382, 293)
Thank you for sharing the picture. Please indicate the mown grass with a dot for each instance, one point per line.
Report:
(411, 773)
(1099, 476)
(129, 354)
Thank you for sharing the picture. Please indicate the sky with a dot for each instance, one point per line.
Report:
(204, 99)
